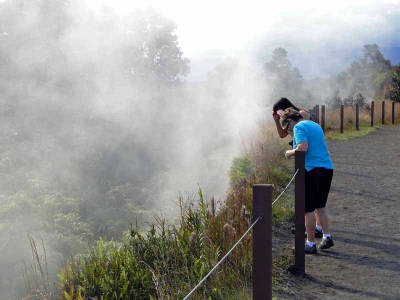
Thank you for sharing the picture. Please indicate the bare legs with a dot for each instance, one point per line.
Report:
(326, 210)
(322, 218)
(310, 226)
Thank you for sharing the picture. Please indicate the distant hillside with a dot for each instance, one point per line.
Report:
(334, 62)
(310, 65)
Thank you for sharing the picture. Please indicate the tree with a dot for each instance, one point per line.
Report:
(367, 76)
(152, 52)
(286, 79)
(375, 59)
(352, 101)
(379, 68)
(348, 101)
(360, 100)
(394, 88)
(334, 102)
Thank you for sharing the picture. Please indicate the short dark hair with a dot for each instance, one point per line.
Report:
(290, 114)
(283, 103)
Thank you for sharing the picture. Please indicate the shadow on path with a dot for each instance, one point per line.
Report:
(364, 260)
(370, 236)
(333, 189)
(342, 288)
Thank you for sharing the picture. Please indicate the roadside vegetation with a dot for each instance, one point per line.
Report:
(172, 256)
(332, 123)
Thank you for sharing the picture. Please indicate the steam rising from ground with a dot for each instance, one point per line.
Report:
(82, 113)
(93, 129)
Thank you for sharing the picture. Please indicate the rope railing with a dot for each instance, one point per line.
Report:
(226, 255)
(284, 190)
(239, 241)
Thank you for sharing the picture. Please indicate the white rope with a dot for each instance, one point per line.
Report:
(238, 242)
(286, 187)
(226, 255)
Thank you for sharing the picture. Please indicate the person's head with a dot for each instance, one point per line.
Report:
(290, 118)
(282, 104)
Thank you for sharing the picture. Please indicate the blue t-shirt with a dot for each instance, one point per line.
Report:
(317, 154)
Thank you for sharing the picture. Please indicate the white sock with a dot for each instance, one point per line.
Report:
(310, 243)
(319, 228)
(326, 236)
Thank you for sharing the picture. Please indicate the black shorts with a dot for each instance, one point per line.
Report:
(318, 184)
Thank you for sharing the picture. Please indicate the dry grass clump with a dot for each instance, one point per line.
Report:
(332, 117)
(388, 112)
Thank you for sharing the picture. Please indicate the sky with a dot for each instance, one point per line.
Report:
(230, 28)
(210, 31)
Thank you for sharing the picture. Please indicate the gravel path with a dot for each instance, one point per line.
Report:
(364, 215)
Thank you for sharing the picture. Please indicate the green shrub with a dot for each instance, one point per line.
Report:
(164, 263)
(242, 168)
(108, 272)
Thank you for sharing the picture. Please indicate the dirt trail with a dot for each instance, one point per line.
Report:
(364, 215)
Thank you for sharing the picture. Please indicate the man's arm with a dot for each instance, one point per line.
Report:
(282, 132)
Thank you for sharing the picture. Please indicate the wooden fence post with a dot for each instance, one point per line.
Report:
(262, 242)
(341, 117)
(393, 113)
(357, 117)
(383, 112)
(300, 195)
(311, 111)
(323, 117)
(316, 113)
(372, 113)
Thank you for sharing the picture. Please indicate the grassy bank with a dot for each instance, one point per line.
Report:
(169, 258)
(346, 135)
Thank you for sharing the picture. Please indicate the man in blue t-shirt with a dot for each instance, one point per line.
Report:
(309, 137)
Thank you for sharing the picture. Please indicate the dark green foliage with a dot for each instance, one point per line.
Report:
(171, 258)
(394, 88)
(165, 263)
(242, 168)
(360, 100)
(352, 101)
(107, 273)
(368, 76)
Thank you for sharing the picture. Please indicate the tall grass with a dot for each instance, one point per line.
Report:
(164, 263)
(169, 260)
(332, 118)
(36, 275)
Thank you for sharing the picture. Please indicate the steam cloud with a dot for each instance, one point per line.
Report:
(79, 117)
